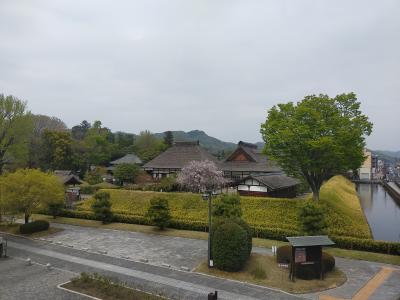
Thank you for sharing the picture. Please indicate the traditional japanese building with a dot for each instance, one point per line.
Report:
(268, 185)
(127, 159)
(176, 157)
(246, 160)
(253, 174)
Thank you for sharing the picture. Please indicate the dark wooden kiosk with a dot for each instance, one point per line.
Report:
(307, 250)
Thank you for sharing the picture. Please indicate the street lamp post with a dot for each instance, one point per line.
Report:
(207, 196)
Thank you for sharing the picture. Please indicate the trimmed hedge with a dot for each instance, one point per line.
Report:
(367, 245)
(258, 232)
(229, 247)
(35, 226)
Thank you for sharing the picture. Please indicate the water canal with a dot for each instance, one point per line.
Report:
(381, 210)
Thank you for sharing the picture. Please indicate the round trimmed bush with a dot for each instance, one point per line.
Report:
(219, 221)
(35, 226)
(284, 254)
(328, 262)
(230, 247)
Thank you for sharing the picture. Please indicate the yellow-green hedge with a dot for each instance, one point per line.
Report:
(338, 196)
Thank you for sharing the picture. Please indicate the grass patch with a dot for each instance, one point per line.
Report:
(263, 270)
(338, 196)
(263, 243)
(14, 229)
(106, 288)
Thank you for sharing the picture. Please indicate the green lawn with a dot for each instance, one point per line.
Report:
(339, 197)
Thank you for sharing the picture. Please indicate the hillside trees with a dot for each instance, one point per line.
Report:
(147, 146)
(15, 129)
(317, 138)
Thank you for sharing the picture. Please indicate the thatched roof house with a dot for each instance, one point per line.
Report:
(67, 177)
(130, 158)
(176, 157)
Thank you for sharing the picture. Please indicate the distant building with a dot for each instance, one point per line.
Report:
(246, 169)
(127, 159)
(67, 177)
(365, 171)
(246, 160)
(268, 185)
(175, 158)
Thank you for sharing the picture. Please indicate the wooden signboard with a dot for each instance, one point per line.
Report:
(300, 255)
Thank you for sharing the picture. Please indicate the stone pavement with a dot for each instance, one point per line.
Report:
(172, 283)
(17, 281)
(81, 248)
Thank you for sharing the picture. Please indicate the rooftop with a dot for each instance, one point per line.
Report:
(306, 241)
(179, 155)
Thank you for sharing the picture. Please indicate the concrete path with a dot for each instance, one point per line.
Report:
(118, 252)
(166, 281)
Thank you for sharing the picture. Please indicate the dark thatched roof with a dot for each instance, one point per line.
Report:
(273, 181)
(179, 155)
(67, 177)
(127, 159)
(256, 161)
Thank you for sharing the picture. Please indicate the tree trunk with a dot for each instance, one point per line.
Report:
(316, 194)
(26, 218)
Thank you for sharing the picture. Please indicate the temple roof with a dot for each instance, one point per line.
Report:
(179, 155)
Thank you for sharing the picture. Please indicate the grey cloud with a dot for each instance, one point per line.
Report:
(211, 65)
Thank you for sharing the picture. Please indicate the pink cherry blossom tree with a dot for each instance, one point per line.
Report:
(201, 176)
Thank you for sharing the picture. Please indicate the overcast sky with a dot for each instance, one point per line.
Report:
(212, 65)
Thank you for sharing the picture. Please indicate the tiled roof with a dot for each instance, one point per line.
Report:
(274, 181)
(127, 159)
(304, 241)
(258, 161)
(179, 155)
(67, 177)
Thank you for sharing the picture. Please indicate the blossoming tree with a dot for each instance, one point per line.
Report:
(201, 176)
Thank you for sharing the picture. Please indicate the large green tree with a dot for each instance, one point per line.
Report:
(126, 173)
(57, 151)
(317, 138)
(147, 146)
(27, 190)
(15, 129)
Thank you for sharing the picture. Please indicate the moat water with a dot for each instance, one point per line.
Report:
(381, 210)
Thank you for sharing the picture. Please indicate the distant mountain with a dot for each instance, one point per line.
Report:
(391, 156)
(210, 143)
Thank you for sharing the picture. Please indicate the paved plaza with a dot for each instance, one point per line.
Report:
(153, 263)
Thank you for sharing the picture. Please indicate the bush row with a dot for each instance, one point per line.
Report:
(35, 226)
(258, 231)
(367, 245)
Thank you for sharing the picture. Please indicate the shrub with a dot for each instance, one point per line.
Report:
(229, 247)
(228, 206)
(311, 218)
(35, 226)
(158, 212)
(55, 209)
(249, 232)
(102, 207)
(284, 254)
(328, 262)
